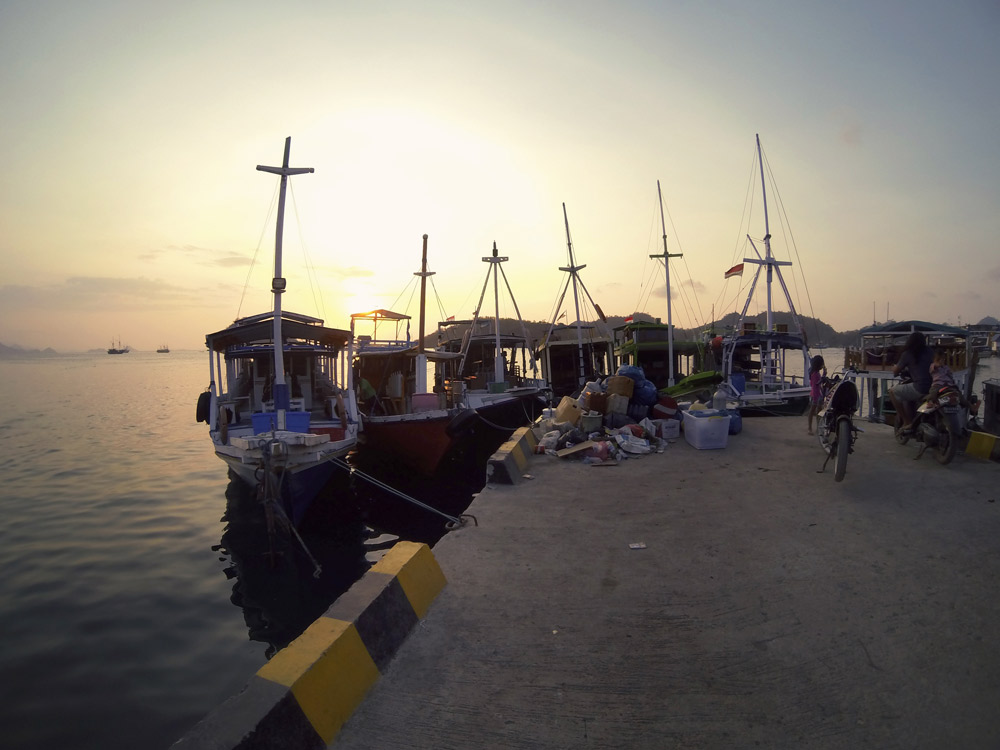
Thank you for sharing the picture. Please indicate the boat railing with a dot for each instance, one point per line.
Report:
(884, 358)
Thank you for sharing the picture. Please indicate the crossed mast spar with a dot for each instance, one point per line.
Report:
(574, 276)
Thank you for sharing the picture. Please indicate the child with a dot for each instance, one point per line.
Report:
(941, 376)
(817, 371)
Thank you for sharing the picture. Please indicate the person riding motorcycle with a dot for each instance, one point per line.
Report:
(916, 361)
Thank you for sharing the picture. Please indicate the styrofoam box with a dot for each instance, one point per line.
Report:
(706, 432)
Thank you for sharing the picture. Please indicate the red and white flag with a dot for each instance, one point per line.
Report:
(450, 317)
(628, 319)
(736, 270)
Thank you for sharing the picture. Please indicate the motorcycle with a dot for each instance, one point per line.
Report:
(939, 424)
(837, 432)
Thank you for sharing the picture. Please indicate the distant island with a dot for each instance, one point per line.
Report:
(15, 352)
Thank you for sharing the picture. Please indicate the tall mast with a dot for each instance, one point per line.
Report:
(278, 283)
(421, 374)
(666, 264)
(767, 238)
(498, 370)
(572, 269)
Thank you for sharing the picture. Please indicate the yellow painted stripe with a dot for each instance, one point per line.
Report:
(417, 571)
(980, 444)
(528, 436)
(329, 672)
(520, 456)
(513, 449)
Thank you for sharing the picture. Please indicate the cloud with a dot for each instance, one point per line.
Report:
(79, 294)
(994, 273)
(204, 256)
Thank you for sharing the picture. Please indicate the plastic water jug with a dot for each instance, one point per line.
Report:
(719, 400)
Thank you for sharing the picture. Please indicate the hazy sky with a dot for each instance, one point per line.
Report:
(130, 131)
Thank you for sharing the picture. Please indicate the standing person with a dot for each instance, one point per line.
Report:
(916, 361)
(817, 371)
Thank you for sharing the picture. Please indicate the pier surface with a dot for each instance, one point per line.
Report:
(711, 599)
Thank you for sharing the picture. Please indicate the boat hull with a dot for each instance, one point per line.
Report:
(300, 475)
(419, 441)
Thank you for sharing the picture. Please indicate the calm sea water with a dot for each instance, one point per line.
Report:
(123, 620)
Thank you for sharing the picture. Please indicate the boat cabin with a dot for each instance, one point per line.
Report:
(243, 366)
(490, 361)
(647, 345)
(390, 369)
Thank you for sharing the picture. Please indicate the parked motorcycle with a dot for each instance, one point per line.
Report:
(837, 432)
(939, 424)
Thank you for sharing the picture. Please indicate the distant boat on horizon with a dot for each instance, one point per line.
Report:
(118, 349)
(163, 349)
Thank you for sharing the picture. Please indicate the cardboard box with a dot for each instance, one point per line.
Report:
(706, 431)
(621, 385)
(568, 411)
(597, 402)
(667, 429)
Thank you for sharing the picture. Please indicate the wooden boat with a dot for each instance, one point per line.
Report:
(757, 362)
(649, 346)
(280, 407)
(164, 349)
(118, 348)
(573, 354)
(492, 376)
(402, 417)
(652, 347)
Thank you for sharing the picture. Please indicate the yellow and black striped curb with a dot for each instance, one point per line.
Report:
(983, 445)
(303, 696)
(510, 461)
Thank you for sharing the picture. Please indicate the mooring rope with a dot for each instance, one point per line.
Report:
(453, 522)
(269, 490)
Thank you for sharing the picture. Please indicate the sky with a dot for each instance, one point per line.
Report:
(130, 132)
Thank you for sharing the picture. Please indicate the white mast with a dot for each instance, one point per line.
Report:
(280, 390)
(666, 264)
(768, 368)
(573, 269)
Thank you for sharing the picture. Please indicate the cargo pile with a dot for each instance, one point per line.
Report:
(621, 417)
(624, 416)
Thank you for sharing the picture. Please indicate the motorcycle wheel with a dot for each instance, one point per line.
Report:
(843, 448)
(947, 444)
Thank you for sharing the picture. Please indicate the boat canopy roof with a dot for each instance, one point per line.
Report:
(379, 315)
(780, 338)
(260, 329)
(434, 355)
(895, 328)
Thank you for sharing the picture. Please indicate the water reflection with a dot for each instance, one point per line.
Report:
(282, 585)
(284, 579)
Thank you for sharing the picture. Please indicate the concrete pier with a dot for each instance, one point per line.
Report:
(729, 598)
